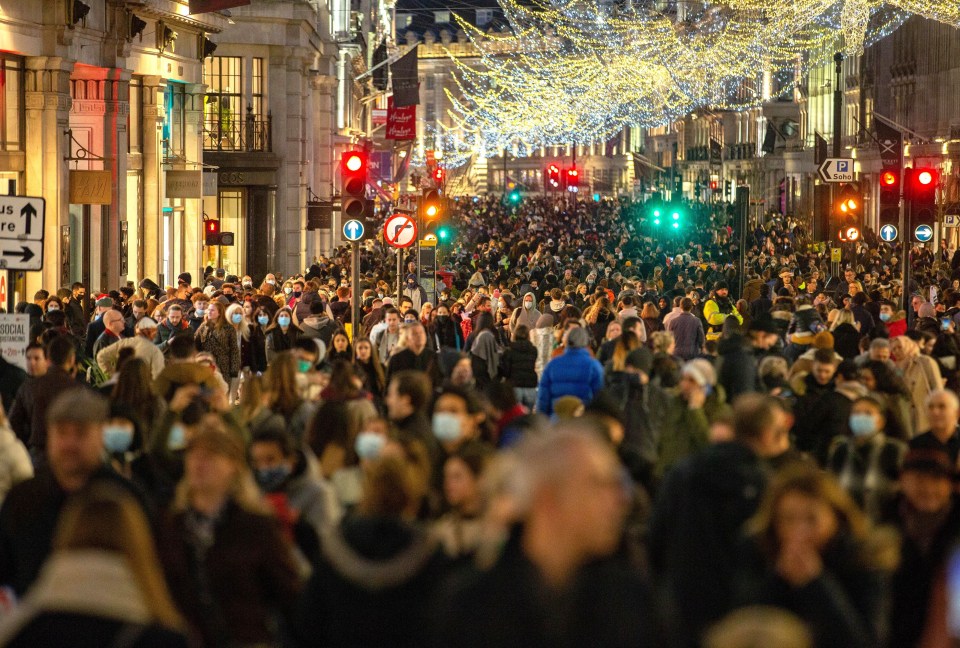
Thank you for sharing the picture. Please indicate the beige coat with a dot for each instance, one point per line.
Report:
(922, 376)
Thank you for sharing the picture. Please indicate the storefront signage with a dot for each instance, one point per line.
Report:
(184, 184)
(91, 187)
(241, 178)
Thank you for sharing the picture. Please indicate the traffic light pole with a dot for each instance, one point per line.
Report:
(905, 219)
(355, 291)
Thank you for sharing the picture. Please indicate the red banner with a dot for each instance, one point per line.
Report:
(401, 122)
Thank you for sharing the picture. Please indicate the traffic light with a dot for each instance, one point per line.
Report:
(515, 196)
(430, 205)
(890, 197)
(444, 233)
(920, 192)
(439, 176)
(656, 213)
(211, 230)
(353, 169)
(714, 185)
(573, 180)
(848, 214)
(553, 177)
(675, 214)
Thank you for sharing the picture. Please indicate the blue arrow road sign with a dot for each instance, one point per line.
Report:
(353, 230)
(923, 233)
(888, 233)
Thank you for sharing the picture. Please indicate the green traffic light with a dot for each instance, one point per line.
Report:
(515, 196)
(676, 216)
(656, 221)
(443, 233)
(656, 213)
(676, 226)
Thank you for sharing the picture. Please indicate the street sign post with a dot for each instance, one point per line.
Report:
(400, 230)
(923, 233)
(889, 233)
(353, 230)
(836, 170)
(21, 232)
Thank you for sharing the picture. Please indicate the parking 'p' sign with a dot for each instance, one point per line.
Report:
(400, 230)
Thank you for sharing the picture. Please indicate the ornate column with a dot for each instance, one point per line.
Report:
(153, 114)
(47, 117)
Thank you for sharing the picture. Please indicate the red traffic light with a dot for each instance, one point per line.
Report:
(439, 175)
(888, 179)
(713, 185)
(925, 177)
(213, 226)
(353, 162)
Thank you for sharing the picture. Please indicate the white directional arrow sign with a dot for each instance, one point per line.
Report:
(836, 170)
(888, 233)
(353, 230)
(21, 232)
(21, 255)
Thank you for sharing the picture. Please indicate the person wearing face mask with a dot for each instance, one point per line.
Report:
(416, 293)
(281, 334)
(867, 463)
(527, 315)
(282, 473)
(445, 329)
(201, 303)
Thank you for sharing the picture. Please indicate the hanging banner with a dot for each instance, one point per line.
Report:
(890, 141)
(184, 184)
(401, 122)
(406, 79)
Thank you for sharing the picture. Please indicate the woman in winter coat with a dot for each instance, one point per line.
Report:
(252, 355)
(230, 570)
(888, 388)
(445, 329)
(281, 334)
(484, 351)
(377, 570)
(218, 338)
(101, 586)
(922, 376)
(812, 552)
(518, 365)
(368, 363)
(846, 335)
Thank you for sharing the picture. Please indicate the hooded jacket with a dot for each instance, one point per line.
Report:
(526, 316)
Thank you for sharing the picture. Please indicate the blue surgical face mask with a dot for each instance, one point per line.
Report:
(117, 438)
(369, 445)
(177, 440)
(263, 320)
(885, 317)
(283, 321)
(236, 318)
(200, 312)
(862, 425)
(446, 427)
(270, 479)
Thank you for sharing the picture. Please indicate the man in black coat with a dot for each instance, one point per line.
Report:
(928, 517)
(28, 415)
(556, 583)
(416, 355)
(699, 515)
(74, 310)
(96, 328)
(75, 452)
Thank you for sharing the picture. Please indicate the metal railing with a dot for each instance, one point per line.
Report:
(242, 135)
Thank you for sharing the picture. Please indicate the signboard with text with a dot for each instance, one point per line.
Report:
(14, 338)
(401, 122)
(21, 232)
(91, 187)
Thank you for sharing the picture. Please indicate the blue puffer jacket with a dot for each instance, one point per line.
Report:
(575, 373)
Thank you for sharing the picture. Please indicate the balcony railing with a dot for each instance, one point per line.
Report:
(246, 135)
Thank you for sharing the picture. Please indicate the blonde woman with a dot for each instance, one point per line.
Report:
(230, 569)
(922, 376)
(102, 585)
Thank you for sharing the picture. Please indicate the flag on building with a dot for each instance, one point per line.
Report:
(406, 80)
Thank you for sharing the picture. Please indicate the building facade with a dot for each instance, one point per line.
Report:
(136, 122)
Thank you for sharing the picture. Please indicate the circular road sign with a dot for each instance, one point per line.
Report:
(353, 230)
(889, 233)
(400, 230)
(923, 233)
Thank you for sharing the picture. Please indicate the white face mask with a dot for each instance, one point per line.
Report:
(528, 305)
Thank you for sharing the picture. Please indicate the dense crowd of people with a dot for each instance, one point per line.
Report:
(590, 434)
